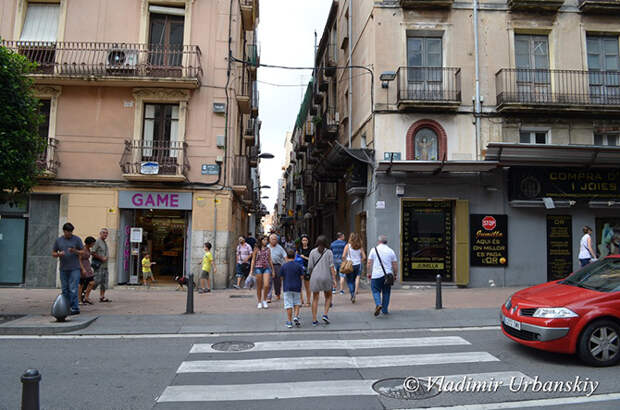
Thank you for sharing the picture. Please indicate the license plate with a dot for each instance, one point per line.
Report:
(512, 323)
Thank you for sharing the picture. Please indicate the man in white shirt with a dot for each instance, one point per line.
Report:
(377, 273)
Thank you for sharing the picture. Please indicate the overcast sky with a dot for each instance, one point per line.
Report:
(286, 36)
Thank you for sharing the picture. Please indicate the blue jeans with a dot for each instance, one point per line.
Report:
(379, 288)
(70, 280)
(357, 269)
(584, 262)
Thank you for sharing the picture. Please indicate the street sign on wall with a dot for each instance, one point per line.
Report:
(489, 240)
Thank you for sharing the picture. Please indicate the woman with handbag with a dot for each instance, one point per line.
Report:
(322, 277)
(353, 256)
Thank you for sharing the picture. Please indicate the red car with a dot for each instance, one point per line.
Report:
(579, 314)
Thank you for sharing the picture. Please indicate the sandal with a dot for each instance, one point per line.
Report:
(104, 300)
(88, 301)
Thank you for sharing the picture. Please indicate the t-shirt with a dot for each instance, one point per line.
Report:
(387, 257)
(251, 241)
(278, 254)
(244, 253)
(207, 261)
(306, 253)
(70, 261)
(146, 265)
(291, 272)
(101, 249)
(337, 248)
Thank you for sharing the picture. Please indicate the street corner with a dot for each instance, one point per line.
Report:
(42, 324)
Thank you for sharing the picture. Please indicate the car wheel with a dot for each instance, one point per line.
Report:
(599, 344)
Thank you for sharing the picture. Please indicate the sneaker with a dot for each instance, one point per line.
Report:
(334, 291)
(265, 305)
(353, 299)
(289, 325)
(342, 292)
(259, 306)
(315, 323)
(296, 321)
(325, 319)
(236, 287)
(377, 310)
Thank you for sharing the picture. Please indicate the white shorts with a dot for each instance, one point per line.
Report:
(292, 299)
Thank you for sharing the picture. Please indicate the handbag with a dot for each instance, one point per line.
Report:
(346, 267)
(389, 277)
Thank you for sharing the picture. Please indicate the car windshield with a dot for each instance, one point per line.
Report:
(602, 275)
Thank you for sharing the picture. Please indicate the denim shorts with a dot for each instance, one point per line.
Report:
(292, 299)
(260, 271)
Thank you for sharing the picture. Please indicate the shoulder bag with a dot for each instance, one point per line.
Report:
(316, 263)
(389, 277)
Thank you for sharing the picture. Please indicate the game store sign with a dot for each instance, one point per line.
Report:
(155, 200)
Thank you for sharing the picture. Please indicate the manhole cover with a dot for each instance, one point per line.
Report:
(232, 346)
(241, 296)
(394, 388)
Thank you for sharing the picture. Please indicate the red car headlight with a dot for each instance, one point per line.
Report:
(554, 313)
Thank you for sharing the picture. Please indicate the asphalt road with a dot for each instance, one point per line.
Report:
(301, 369)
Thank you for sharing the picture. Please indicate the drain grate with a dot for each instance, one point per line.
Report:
(394, 388)
(242, 296)
(233, 346)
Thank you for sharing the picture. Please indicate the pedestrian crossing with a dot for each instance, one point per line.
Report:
(260, 372)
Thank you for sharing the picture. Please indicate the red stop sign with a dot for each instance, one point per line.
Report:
(489, 223)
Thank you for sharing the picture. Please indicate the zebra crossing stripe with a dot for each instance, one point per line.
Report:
(341, 344)
(331, 362)
(272, 391)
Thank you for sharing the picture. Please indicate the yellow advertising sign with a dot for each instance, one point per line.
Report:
(427, 265)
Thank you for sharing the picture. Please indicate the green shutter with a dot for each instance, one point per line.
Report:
(461, 217)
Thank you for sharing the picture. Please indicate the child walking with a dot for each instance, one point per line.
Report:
(207, 267)
(146, 268)
(292, 274)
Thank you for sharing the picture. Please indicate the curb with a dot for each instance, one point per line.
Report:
(28, 325)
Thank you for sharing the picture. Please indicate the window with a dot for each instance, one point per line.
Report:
(160, 132)
(44, 110)
(38, 36)
(166, 40)
(426, 145)
(603, 67)
(424, 62)
(533, 137)
(532, 63)
(606, 139)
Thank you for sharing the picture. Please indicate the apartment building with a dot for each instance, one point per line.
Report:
(487, 187)
(152, 131)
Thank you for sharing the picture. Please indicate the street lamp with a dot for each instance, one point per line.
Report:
(386, 77)
(264, 197)
(265, 187)
(266, 155)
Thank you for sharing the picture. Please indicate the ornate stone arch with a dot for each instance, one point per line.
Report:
(437, 128)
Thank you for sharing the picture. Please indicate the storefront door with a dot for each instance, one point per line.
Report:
(12, 239)
(427, 241)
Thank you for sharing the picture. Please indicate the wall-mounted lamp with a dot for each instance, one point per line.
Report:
(386, 77)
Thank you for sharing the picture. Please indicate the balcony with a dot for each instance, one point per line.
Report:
(572, 90)
(114, 64)
(330, 123)
(163, 161)
(535, 5)
(249, 135)
(600, 6)
(253, 157)
(331, 59)
(243, 94)
(428, 88)
(240, 174)
(46, 163)
(254, 100)
(425, 4)
(253, 56)
(249, 14)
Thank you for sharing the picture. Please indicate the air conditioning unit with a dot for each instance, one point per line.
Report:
(121, 60)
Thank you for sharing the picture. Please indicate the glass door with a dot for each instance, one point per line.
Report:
(604, 78)
(166, 44)
(424, 71)
(532, 63)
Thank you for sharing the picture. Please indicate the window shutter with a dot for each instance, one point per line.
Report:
(175, 147)
(149, 127)
(41, 23)
(172, 11)
(461, 216)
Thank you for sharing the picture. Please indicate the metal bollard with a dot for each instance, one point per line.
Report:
(438, 292)
(30, 389)
(190, 294)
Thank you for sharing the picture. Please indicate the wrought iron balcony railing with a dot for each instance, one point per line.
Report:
(424, 85)
(523, 88)
(79, 59)
(153, 158)
(47, 162)
(253, 56)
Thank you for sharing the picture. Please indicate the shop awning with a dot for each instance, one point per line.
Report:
(436, 166)
(333, 166)
(507, 154)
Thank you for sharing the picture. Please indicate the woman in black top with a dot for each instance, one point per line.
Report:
(304, 252)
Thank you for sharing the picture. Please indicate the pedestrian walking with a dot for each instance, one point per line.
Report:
(278, 258)
(262, 268)
(322, 277)
(207, 266)
(292, 275)
(251, 241)
(586, 252)
(100, 264)
(337, 248)
(303, 251)
(67, 248)
(86, 272)
(354, 253)
(147, 273)
(382, 262)
(244, 254)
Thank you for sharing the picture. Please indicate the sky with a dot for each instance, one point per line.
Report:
(286, 37)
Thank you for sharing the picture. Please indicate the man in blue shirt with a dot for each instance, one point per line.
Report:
(292, 275)
(337, 248)
(67, 248)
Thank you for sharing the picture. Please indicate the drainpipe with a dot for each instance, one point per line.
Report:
(350, 28)
(477, 108)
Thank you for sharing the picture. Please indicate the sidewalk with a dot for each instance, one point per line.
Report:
(160, 310)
